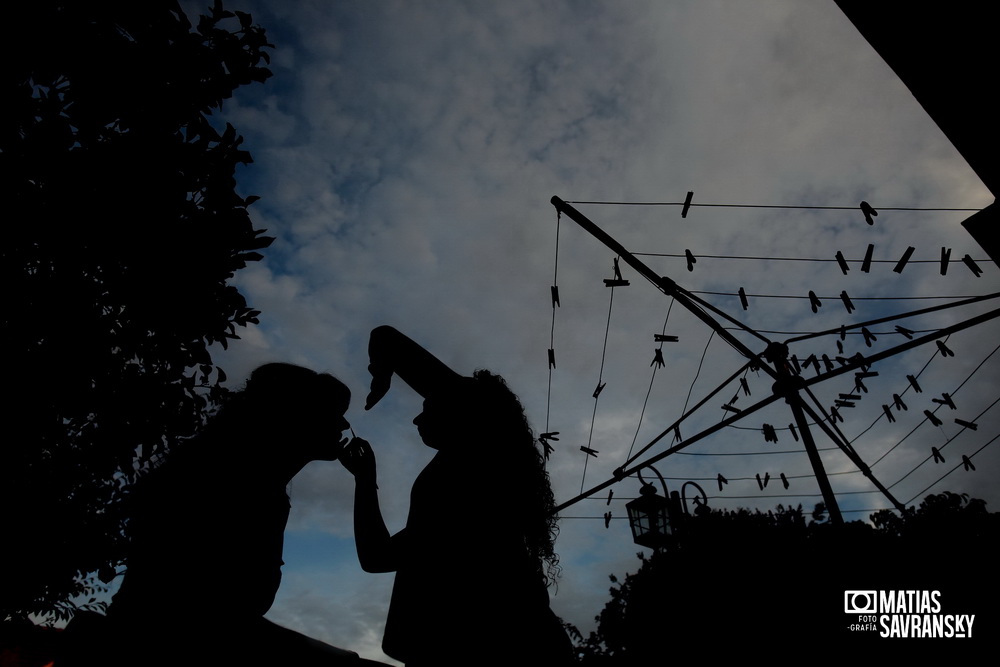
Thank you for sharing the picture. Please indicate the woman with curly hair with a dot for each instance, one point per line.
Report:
(474, 560)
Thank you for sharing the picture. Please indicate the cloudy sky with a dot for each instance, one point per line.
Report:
(406, 153)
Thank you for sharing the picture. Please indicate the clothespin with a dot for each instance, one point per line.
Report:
(869, 336)
(862, 363)
(866, 265)
(552, 358)
(913, 383)
(835, 415)
(945, 258)
(811, 360)
(841, 403)
(888, 413)
(657, 358)
(945, 400)
(722, 480)
(544, 439)
(611, 494)
(842, 262)
(769, 434)
(731, 408)
(677, 433)
(600, 388)
(784, 481)
(791, 427)
(588, 451)
(869, 212)
(814, 301)
(969, 425)
(971, 263)
(843, 331)
(795, 363)
(849, 397)
(906, 332)
(903, 260)
(687, 204)
(827, 363)
(945, 352)
(743, 299)
(898, 402)
(745, 386)
(967, 463)
(690, 259)
(842, 361)
(617, 281)
(664, 338)
(847, 302)
(937, 455)
(607, 519)
(933, 419)
(555, 296)
(762, 483)
(840, 349)
(859, 378)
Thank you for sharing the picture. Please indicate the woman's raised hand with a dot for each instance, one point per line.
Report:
(359, 459)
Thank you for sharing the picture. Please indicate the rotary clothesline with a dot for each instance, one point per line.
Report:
(699, 308)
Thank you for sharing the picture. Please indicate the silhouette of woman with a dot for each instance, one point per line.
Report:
(207, 533)
(474, 560)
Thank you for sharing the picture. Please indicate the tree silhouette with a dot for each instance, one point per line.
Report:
(739, 583)
(123, 228)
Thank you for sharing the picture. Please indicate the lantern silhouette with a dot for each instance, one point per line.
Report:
(649, 518)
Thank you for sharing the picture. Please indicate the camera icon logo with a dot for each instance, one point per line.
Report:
(860, 602)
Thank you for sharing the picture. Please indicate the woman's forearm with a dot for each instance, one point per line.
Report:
(374, 545)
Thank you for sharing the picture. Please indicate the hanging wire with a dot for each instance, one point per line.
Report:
(947, 442)
(552, 330)
(652, 377)
(698, 372)
(597, 392)
(969, 377)
(970, 456)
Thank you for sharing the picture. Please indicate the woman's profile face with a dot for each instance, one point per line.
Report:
(446, 419)
(431, 424)
(323, 421)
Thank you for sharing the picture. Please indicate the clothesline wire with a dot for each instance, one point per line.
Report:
(853, 298)
(771, 206)
(597, 392)
(798, 259)
(959, 465)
